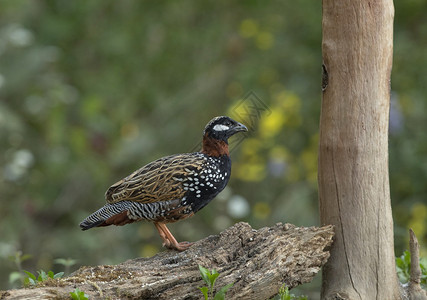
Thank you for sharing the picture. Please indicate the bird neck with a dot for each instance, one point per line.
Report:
(214, 147)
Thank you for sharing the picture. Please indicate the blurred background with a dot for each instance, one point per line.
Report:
(92, 90)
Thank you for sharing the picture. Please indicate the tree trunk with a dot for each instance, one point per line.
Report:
(258, 262)
(354, 190)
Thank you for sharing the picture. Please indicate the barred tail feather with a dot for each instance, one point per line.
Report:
(109, 214)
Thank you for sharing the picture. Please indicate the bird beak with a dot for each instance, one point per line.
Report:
(239, 127)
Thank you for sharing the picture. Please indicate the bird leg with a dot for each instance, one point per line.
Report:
(166, 242)
(168, 239)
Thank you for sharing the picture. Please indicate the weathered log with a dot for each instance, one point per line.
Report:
(258, 262)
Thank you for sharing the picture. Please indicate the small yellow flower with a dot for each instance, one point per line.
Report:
(248, 28)
(264, 40)
(271, 125)
(251, 171)
(289, 101)
(280, 152)
(418, 221)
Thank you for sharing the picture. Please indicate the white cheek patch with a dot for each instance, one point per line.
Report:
(219, 127)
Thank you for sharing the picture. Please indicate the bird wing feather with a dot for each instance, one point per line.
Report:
(160, 180)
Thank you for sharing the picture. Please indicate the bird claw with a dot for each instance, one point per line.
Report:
(186, 244)
(178, 246)
(183, 246)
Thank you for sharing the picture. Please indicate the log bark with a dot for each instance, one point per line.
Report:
(354, 191)
(258, 262)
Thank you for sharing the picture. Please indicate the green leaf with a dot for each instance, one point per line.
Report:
(30, 275)
(65, 262)
(58, 275)
(407, 258)
(79, 295)
(30, 281)
(284, 293)
(220, 295)
(25, 257)
(400, 263)
(213, 277)
(205, 291)
(402, 277)
(205, 274)
(50, 274)
(60, 261)
(14, 276)
(42, 276)
(403, 266)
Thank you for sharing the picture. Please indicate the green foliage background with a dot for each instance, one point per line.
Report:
(92, 90)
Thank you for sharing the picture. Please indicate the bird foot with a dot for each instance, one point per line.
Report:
(178, 246)
(168, 240)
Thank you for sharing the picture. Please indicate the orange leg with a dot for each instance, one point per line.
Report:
(168, 239)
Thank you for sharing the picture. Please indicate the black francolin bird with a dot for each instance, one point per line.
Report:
(171, 188)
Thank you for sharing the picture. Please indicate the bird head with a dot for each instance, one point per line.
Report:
(221, 128)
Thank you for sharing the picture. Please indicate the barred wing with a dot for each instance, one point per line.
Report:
(160, 180)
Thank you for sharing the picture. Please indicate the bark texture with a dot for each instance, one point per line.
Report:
(414, 290)
(258, 262)
(354, 192)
